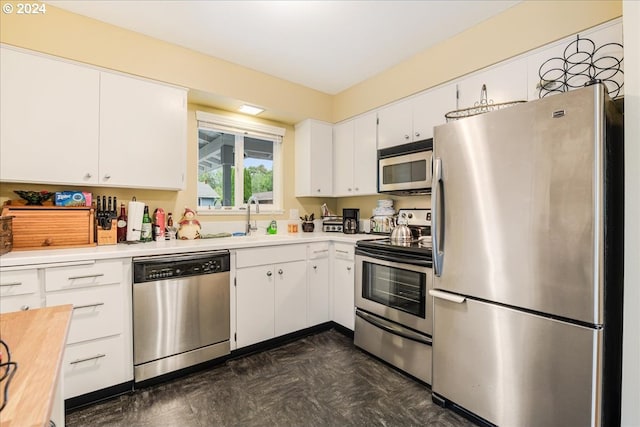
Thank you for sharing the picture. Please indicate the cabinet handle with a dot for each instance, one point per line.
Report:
(86, 359)
(315, 267)
(280, 271)
(348, 268)
(341, 251)
(76, 307)
(348, 189)
(269, 273)
(88, 176)
(318, 190)
(107, 177)
(88, 276)
(357, 189)
(10, 284)
(417, 134)
(47, 242)
(321, 252)
(25, 307)
(406, 137)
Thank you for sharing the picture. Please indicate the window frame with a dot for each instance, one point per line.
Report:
(241, 128)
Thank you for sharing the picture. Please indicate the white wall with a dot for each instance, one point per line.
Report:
(631, 328)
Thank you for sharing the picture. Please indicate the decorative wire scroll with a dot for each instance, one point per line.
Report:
(582, 64)
(483, 106)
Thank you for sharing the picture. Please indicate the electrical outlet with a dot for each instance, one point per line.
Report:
(293, 214)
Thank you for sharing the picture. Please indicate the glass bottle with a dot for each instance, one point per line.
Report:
(122, 224)
(171, 230)
(145, 232)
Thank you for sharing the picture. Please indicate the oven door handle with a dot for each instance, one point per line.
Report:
(386, 256)
(393, 328)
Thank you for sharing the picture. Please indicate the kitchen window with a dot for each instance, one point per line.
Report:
(237, 160)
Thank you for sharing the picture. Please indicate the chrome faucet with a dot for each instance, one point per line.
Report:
(252, 199)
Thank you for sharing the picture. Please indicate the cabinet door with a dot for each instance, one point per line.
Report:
(142, 133)
(343, 158)
(49, 120)
(429, 109)
(314, 148)
(318, 300)
(505, 83)
(290, 297)
(254, 304)
(395, 124)
(344, 293)
(365, 155)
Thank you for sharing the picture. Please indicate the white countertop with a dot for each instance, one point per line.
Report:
(123, 250)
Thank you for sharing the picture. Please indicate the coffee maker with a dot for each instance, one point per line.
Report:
(350, 221)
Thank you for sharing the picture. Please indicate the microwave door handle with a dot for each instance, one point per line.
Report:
(436, 221)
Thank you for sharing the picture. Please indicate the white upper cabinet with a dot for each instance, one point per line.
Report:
(355, 156)
(413, 119)
(505, 83)
(142, 133)
(49, 121)
(429, 109)
(365, 155)
(395, 124)
(313, 159)
(66, 123)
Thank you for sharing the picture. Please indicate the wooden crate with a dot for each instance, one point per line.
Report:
(49, 227)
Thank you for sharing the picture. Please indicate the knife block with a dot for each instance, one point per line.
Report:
(107, 237)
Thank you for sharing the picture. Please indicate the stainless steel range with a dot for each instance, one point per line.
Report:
(393, 306)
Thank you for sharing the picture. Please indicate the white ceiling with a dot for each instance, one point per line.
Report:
(325, 45)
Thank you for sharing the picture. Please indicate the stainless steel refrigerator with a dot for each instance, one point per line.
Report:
(527, 223)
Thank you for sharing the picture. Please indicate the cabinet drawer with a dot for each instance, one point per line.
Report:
(94, 365)
(270, 255)
(343, 251)
(319, 250)
(78, 276)
(19, 302)
(97, 312)
(18, 282)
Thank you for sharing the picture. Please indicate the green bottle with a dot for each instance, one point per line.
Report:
(145, 231)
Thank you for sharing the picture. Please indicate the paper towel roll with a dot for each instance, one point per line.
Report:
(134, 221)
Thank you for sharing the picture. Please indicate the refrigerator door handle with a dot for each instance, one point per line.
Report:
(436, 224)
(447, 296)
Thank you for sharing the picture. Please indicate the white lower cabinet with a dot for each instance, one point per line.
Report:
(96, 364)
(290, 297)
(19, 290)
(318, 303)
(99, 350)
(271, 293)
(343, 296)
(255, 309)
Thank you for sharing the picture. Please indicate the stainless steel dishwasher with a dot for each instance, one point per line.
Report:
(180, 311)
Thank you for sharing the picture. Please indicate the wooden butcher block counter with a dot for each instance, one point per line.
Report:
(36, 340)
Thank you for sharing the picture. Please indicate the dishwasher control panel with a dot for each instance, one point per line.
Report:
(148, 269)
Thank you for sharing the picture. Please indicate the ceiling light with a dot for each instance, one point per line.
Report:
(250, 109)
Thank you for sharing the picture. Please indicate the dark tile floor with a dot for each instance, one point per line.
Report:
(319, 380)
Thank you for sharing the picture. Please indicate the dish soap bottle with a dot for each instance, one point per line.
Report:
(273, 227)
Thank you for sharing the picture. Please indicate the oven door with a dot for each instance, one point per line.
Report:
(397, 291)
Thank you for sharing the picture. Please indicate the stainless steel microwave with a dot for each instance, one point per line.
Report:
(406, 169)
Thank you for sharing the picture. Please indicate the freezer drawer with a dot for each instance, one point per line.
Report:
(525, 370)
